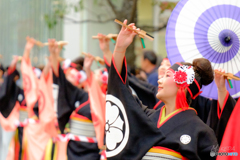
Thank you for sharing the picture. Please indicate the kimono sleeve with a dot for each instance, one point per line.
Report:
(69, 98)
(202, 105)
(218, 118)
(97, 104)
(145, 91)
(125, 120)
(8, 93)
(205, 145)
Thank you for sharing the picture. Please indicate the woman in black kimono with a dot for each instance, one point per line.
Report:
(147, 92)
(72, 99)
(172, 132)
(10, 94)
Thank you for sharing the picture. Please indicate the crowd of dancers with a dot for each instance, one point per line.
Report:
(67, 111)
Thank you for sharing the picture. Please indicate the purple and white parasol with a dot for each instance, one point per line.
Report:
(209, 29)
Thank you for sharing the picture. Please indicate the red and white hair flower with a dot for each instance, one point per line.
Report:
(79, 76)
(68, 64)
(184, 75)
(82, 76)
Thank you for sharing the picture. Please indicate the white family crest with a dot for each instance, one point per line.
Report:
(77, 104)
(185, 139)
(116, 127)
(20, 97)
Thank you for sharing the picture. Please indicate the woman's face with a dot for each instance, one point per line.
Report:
(164, 66)
(167, 88)
(70, 77)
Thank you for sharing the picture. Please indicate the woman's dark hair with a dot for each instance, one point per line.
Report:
(79, 62)
(203, 73)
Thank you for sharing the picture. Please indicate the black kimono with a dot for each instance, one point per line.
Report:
(218, 118)
(10, 93)
(137, 130)
(69, 99)
(202, 105)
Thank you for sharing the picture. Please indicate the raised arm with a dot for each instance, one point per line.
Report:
(47, 68)
(87, 65)
(125, 38)
(54, 50)
(28, 47)
(222, 90)
(221, 109)
(104, 46)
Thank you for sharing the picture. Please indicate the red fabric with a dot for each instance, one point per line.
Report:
(75, 115)
(11, 70)
(170, 150)
(90, 140)
(181, 101)
(97, 103)
(82, 105)
(29, 85)
(231, 141)
(197, 95)
(159, 102)
(103, 155)
(159, 118)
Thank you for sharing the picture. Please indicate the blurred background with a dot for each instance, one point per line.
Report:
(76, 21)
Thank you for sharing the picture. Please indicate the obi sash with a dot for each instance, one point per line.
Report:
(81, 126)
(161, 153)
